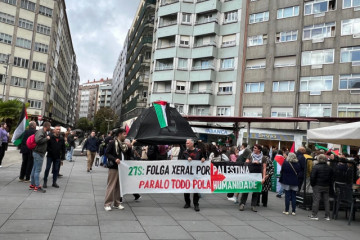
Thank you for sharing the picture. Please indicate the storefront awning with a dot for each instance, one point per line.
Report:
(270, 136)
(212, 131)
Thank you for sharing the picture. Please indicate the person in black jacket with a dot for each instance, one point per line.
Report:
(320, 180)
(71, 141)
(302, 162)
(55, 153)
(116, 151)
(92, 146)
(27, 158)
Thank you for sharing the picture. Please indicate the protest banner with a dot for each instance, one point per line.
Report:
(188, 177)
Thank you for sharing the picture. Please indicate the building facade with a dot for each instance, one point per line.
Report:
(104, 98)
(138, 55)
(35, 40)
(302, 60)
(197, 56)
(118, 83)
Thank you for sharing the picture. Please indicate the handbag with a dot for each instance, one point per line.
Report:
(293, 168)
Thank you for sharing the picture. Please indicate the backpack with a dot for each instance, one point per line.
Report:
(30, 142)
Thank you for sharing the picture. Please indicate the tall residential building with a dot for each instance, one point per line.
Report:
(42, 66)
(137, 70)
(302, 60)
(118, 83)
(197, 59)
(92, 95)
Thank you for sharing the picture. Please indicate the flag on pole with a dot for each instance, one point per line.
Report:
(160, 109)
(127, 129)
(21, 127)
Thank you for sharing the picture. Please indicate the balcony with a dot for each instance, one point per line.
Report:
(132, 73)
(207, 20)
(205, 51)
(134, 42)
(208, 67)
(130, 105)
(141, 15)
(133, 57)
(208, 28)
(207, 5)
(168, 23)
(164, 68)
(201, 98)
(131, 89)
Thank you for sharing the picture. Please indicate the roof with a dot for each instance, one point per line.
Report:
(267, 119)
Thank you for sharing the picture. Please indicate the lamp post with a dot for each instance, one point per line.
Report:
(5, 77)
(108, 122)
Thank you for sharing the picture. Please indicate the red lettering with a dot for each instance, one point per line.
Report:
(142, 183)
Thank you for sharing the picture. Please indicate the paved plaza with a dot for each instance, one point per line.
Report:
(75, 211)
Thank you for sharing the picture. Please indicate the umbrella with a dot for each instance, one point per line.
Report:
(344, 134)
(147, 131)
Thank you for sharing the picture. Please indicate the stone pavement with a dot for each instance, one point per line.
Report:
(75, 211)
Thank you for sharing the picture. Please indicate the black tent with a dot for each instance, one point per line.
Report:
(146, 128)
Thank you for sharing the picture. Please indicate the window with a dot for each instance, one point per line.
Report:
(184, 41)
(23, 23)
(180, 86)
(257, 40)
(43, 29)
(350, 26)
(206, 18)
(39, 47)
(316, 85)
(201, 87)
(289, 36)
(283, 86)
(288, 61)
(227, 63)
(186, 18)
(318, 57)
(18, 82)
(5, 38)
(3, 58)
(351, 3)
(21, 42)
(2, 78)
(36, 85)
(351, 54)
(319, 31)
(282, 112)
(349, 110)
(35, 104)
(183, 64)
(203, 64)
(229, 40)
(163, 65)
(12, 2)
(349, 82)
(7, 18)
(288, 12)
(315, 110)
(252, 112)
(231, 17)
(38, 66)
(225, 88)
(254, 87)
(199, 110)
(162, 87)
(256, 64)
(180, 108)
(28, 5)
(319, 6)
(45, 11)
(223, 111)
(166, 42)
(208, 40)
(20, 62)
(259, 17)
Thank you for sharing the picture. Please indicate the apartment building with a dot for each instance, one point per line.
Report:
(138, 55)
(118, 83)
(92, 95)
(302, 60)
(197, 56)
(40, 63)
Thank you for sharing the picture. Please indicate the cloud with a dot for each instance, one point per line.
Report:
(98, 31)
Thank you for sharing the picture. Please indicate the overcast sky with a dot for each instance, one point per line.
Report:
(98, 30)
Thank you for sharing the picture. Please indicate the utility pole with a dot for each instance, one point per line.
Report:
(108, 122)
(5, 77)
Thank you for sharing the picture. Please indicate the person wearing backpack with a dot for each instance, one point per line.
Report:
(41, 140)
(27, 158)
(92, 146)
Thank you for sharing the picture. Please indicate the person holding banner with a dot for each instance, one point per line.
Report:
(258, 158)
(116, 151)
(192, 153)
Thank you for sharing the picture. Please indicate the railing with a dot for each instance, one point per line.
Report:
(132, 89)
(228, 44)
(167, 2)
(203, 67)
(165, 24)
(204, 91)
(172, 44)
(134, 56)
(163, 68)
(211, 43)
(207, 20)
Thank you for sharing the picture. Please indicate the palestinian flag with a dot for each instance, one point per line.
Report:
(160, 109)
(20, 129)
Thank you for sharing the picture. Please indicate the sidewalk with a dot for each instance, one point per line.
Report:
(75, 211)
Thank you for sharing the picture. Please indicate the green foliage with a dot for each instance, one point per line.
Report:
(85, 124)
(10, 110)
(100, 123)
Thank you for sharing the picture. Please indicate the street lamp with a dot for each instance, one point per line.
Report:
(5, 77)
(108, 121)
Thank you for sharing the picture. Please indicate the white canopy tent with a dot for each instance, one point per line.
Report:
(62, 129)
(344, 134)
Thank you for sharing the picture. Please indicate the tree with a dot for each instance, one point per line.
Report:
(85, 124)
(103, 118)
(10, 111)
